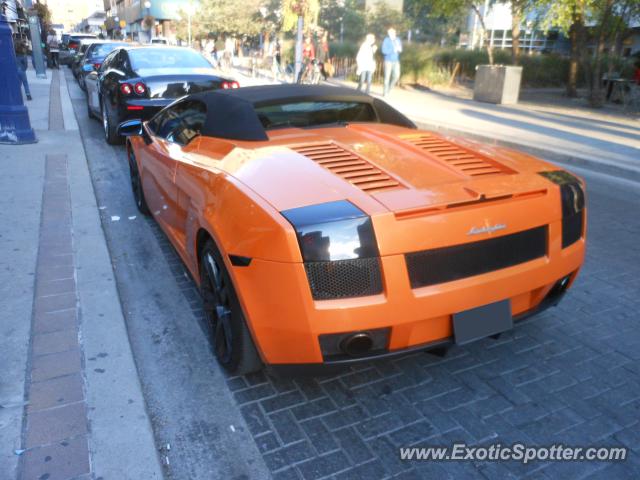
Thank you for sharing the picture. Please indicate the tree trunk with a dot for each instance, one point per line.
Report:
(597, 94)
(516, 20)
(574, 59)
(484, 32)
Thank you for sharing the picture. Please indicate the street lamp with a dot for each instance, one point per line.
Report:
(147, 6)
(190, 8)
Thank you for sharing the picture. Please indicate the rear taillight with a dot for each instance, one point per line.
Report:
(126, 89)
(230, 85)
(140, 88)
(572, 196)
(97, 65)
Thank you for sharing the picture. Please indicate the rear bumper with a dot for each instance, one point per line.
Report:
(334, 366)
(142, 108)
(286, 322)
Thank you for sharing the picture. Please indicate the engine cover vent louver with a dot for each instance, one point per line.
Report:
(460, 159)
(349, 166)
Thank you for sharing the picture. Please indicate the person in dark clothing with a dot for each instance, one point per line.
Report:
(322, 52)
(21, 49)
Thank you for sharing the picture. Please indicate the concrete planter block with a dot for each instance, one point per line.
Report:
(497, 84)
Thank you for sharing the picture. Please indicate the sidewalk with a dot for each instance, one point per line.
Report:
(71, 404)
(585, 137)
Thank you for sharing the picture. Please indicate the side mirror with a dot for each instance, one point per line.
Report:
(130, 128)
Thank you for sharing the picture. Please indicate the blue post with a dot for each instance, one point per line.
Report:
(15, 127)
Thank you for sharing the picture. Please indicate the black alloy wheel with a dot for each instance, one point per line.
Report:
(136, 183)
(232, 342)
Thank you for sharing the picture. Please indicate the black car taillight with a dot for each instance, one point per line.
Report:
(339, 250)
(230, 85)
(126, 89)
(573, 202)
(140, 88)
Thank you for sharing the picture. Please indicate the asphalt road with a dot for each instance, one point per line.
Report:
(570, 375)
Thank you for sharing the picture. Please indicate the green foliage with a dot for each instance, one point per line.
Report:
(344, 49)
(381, 17)
(292, 9)
(349, 14)
(222, 17)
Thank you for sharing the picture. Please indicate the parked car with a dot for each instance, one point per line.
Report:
(323, 228)
(76, 61)
(93, 57)
(136, 82)
(159, 41)
(71, 45)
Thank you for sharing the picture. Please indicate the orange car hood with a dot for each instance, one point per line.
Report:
(402, 170)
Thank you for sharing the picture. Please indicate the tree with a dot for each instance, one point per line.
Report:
(296, 14)
(569, 17)
(223, 17)
(519, 9)
(293, 9)
(606, 20)
(454, 8)
(381, 17)
(343, 15)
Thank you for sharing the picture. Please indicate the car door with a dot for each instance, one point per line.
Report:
(109, 80)
(190, 180)
(92, 83)
(158, 163)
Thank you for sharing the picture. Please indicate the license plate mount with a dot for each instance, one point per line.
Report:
(481, 322)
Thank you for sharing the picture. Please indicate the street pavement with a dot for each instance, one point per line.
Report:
(570, 375)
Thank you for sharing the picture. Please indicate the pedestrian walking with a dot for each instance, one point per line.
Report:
(21, 48)
(391, 50)
(54, 48)
(366, 62)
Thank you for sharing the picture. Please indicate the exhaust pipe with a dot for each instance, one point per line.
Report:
(357, 345)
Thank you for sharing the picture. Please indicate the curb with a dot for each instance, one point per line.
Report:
(632, 174)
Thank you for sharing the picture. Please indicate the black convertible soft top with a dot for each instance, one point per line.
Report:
(233, 113)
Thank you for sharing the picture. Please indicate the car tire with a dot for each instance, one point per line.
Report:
(81, 83)
(232, 341)
(110, 132)
(136, 184)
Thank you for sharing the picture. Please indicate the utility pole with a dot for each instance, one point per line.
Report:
(299, 48)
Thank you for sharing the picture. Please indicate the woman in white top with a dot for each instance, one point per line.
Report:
(366, 61)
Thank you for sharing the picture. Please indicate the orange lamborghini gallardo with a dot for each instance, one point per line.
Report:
(323, 228)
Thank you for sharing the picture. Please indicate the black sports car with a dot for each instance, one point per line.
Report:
(136, 82)
(93, 57)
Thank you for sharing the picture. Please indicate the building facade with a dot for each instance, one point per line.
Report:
(141, 20)
(71, 13)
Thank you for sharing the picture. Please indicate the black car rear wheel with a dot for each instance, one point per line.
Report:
(232, 340)
(110, 132)
(136, 184)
